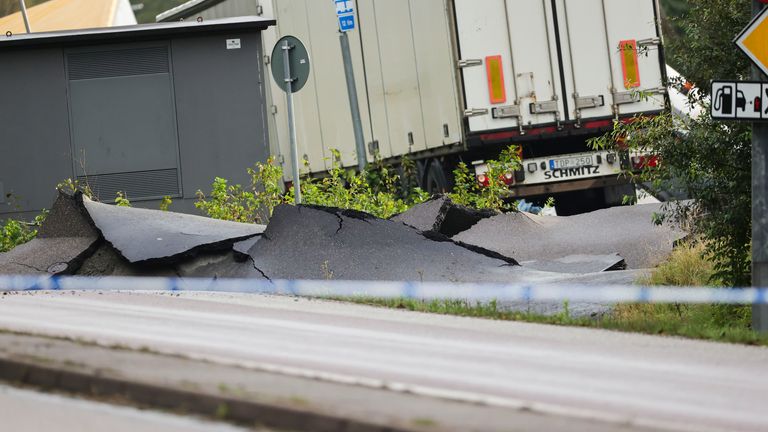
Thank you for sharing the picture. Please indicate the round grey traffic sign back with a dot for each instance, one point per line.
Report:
(298, 59)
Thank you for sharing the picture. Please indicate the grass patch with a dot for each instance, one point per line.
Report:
(687, 266)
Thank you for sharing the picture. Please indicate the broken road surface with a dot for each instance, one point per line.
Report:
(628, 231)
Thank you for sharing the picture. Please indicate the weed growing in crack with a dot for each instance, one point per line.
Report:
(327, 272)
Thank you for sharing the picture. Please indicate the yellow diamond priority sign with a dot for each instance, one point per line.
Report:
(753, 40)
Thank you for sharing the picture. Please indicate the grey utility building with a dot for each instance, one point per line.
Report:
(151, 110)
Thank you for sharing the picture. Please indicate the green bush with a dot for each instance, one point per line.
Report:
(469, 193)
(375, 191)
(14, 232)
(252, 204)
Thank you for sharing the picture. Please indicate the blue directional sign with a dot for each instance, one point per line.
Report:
(345, 10)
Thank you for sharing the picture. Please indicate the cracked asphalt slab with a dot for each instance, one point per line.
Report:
(628, 231)
(323, 243)
(152, 236)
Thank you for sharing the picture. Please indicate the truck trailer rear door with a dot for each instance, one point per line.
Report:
(509, 61)
(610, 51)
(634, 42)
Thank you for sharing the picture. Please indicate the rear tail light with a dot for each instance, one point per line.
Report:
(508, 178)
(640, 162)
(483, 180)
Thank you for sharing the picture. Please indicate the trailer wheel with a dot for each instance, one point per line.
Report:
(435, 179)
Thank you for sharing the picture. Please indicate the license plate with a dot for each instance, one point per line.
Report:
(572, 162)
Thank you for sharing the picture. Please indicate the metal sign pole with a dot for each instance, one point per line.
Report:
(291, 121)
(357, 122)
(345, 12)
(759, 204)
(23, 8)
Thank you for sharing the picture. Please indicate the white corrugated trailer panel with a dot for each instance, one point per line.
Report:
(374, 79)
(522, 33)
(323, 117)
(410, 72)
(534, 57)
(586, 59)
(433, 46)
(482, 31)
(399, 73)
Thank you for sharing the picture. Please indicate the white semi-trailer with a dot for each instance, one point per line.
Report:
(444, 81)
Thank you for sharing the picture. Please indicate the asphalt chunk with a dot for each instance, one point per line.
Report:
(67, 218)
(579, 264)
(442, 215)
(158, 237)
(628, 231)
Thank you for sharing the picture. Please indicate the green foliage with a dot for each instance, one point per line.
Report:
(121, 200)
(165, 203)
(14, 232)
(8, 7)
(671, 12)
(248, 205)
(704, 50)
(151, 8)
(686, 266)
(228, 202)
(267, 187)
(373, 191)
(469, 193)
(378, 190)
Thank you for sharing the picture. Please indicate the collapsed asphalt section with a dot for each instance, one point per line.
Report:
(86, 238)
(628, 231)
(307, 242)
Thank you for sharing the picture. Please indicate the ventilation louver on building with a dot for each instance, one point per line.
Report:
(142, 184)
(116, 63)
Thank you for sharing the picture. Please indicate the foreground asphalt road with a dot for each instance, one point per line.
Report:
(29, 411)
(624, 379)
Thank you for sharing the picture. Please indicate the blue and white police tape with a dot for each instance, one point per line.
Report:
(480, 292)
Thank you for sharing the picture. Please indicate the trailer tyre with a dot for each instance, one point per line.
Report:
(435, 179)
